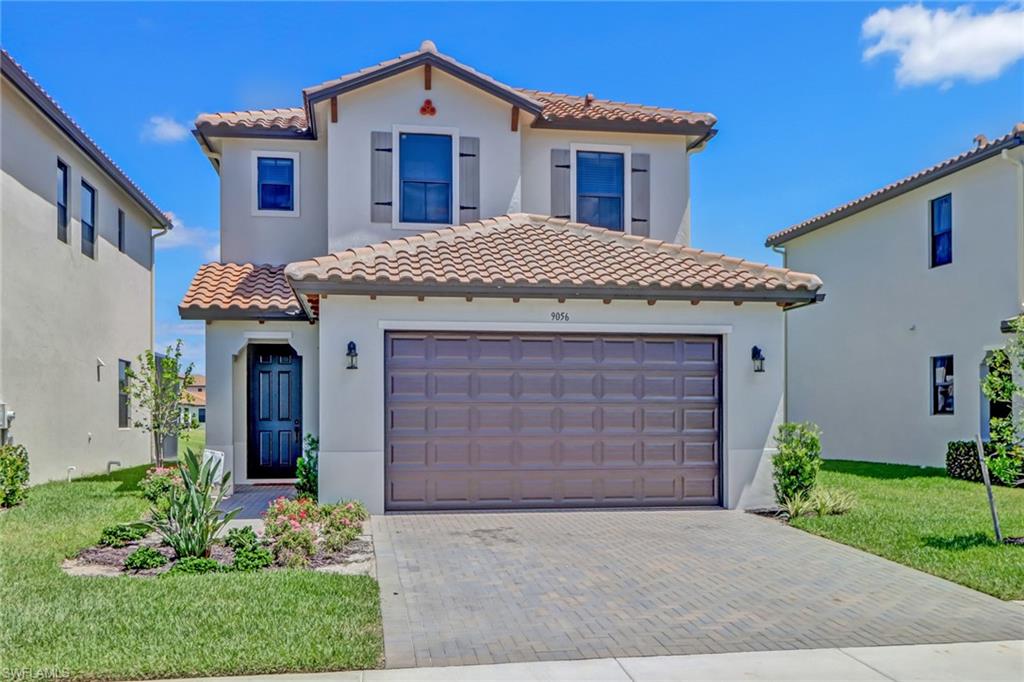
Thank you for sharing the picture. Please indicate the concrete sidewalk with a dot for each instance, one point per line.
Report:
(988, 661)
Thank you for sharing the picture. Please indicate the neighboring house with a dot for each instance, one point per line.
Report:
(520, 359)
(76, 287)
(193, 400)
(920, 276)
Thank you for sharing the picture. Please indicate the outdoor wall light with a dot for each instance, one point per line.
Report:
(757, 355)
(352, 355)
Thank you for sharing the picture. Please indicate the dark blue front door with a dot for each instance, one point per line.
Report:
(275, 411)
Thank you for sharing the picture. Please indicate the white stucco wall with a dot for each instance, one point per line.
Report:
(352, 402)
(248, 238)
(515, 169)
(226, 383)
(61, 311)
(859, 363)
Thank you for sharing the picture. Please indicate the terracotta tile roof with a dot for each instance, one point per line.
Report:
(286, 120)
(551, 109)
(559, 107)
(49, 106)
(535, 255)
(982, 151)
(239, 290)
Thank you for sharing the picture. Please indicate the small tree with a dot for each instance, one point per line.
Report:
(155, 385)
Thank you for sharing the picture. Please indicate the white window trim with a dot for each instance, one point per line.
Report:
(296, 194)
(396, 181)
(627, 174)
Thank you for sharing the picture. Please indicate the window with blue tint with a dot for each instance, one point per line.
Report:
(88, 220)
(62, 201)
(276, 182)
(942, 384)
(599, 189)
(425, 178)
(942, 230)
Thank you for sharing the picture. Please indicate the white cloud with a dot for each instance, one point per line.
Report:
(186, 236)
(942, 46)
(163, 129)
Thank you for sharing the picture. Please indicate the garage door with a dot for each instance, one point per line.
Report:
(478, 421)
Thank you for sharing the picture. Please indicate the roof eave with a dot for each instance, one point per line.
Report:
(441, 289)
(24, 83)
(213, 130)
(233, 313)
(704, 130)
(784, 236)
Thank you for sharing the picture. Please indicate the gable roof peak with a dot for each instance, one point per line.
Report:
(428, 46)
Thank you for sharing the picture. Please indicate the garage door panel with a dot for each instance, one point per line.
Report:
(547, 420)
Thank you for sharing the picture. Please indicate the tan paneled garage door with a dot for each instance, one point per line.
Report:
(478, 421)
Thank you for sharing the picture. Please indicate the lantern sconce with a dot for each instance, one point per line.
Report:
(757, 355)
(352, 356)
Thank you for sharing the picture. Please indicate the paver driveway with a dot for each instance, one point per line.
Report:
(489, 588)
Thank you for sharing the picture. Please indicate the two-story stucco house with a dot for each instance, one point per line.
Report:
(480, 296)
(922, 277)
(76, 287)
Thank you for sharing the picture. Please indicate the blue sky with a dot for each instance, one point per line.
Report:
(806, 122)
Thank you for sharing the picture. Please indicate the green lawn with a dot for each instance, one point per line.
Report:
(920, 518)
(118, 628)
(194, 439)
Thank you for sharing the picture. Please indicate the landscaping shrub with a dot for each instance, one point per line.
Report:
(241, 538)
(798, 460)
(962, 460)
(830, 501)
(193, 516)
(144, 558)
(797, 504)
(158, 483)
(307, 470)
(295, 545)
(195, 565)
(1006, 459)
(252, 558)
(122, 534)
(13, 474)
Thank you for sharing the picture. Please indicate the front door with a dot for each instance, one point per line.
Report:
(275, 411)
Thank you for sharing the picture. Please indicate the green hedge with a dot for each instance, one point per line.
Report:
(962, 460)
(13, 474)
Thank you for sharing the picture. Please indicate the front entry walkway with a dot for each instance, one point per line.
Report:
(464, 589)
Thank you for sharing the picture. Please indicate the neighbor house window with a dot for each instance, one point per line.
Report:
(62, 201)
(120, 230)
(88, 220)
(123, 401)
(425, 178)
(942, 230)
(942, 384)
(600, 189)
(202, 415)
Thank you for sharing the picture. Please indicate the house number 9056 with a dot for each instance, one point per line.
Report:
(559, 317)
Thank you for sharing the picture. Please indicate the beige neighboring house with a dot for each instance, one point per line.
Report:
(483, 297)
(922, 277)
(76, 287)
(193, 400)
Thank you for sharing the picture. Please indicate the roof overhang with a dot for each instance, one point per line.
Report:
(194, 313)
(899, 189)
(17, 76)
(704, 131)
(320, 93)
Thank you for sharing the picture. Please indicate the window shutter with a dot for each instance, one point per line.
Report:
(560, 191)
(469, 179)
(381, 158)
(640, 195)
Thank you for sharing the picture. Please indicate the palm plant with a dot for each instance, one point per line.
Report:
(194, 517)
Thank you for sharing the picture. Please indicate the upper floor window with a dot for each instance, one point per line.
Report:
(942, 230)
(88, 220)
(425, 178)
(120, 231)
(62, 200)
(942, 384)
(123, 400)
(600, 188)
(276, 183)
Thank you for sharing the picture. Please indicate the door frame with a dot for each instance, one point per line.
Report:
(251, 455)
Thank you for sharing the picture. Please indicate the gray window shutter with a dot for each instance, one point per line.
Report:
(560, 183)
(469, 179)
(640, 195)
(381, 158)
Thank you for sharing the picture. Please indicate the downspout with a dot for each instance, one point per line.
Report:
(1018, 161)
(785, 347)
(152, 306)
